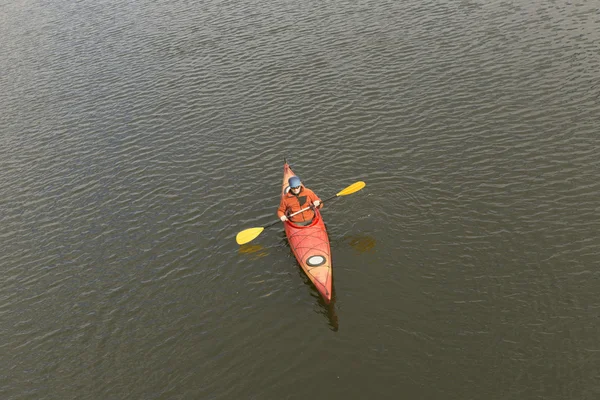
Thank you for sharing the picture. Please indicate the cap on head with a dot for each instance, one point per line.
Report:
(294, 181)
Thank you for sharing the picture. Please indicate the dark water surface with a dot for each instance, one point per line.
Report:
(137, 138)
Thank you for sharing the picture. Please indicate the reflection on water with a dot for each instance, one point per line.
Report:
(256, 251)
(328, 310)
(361, 243)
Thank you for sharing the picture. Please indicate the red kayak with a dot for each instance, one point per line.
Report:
(310, 245)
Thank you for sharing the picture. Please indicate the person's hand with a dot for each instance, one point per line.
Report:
(283, 218)
(317, 203)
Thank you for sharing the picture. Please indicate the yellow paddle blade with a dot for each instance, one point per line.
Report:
(355, 187)
(248, 235)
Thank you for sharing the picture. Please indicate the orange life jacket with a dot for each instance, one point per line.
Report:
(290, 203)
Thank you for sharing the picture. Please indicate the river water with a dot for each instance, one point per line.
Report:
(138, 137)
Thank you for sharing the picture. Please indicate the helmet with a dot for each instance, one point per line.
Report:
(294, 181)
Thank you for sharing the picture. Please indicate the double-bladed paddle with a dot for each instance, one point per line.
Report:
(247, 235)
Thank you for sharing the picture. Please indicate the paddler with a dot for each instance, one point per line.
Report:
(297, 197)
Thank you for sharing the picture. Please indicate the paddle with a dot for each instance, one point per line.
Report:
(248, 235)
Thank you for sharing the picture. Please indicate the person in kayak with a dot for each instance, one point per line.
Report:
(297, 197)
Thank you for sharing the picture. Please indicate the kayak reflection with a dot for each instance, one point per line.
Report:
(328, 310)
(322, 307)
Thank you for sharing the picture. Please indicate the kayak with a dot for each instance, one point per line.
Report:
(310, 245)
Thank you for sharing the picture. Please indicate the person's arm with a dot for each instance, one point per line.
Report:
(281, 210)
(315, 198)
